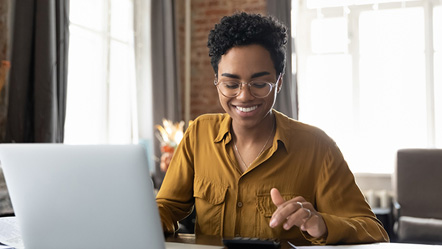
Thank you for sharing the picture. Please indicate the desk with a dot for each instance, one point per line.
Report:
(190, 241)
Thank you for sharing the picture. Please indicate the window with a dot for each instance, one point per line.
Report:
(367, 76)
(101, 82)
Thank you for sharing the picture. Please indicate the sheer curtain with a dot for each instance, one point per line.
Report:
(143, 69)
(165, 86)
(37, 89)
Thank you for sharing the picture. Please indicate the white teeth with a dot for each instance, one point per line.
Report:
(247, 109)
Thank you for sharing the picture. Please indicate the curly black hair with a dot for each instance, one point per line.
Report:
(244, 29)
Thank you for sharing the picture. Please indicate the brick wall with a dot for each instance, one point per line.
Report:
(205, 14)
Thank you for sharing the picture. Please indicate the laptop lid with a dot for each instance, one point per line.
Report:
(82, 196)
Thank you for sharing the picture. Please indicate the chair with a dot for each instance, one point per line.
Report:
(418, 192)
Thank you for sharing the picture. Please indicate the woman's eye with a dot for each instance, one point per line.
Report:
(259, 84)
(231, 85)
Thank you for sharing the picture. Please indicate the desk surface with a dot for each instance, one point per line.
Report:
(189, 241)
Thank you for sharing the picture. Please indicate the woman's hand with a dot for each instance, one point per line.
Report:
(297, 212)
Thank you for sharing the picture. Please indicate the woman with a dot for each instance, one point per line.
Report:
(254, 172)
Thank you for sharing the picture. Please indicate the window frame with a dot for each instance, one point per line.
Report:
(304, 50)
(106, 135)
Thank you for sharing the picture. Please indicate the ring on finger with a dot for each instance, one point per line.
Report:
(300, 204)
(309, 213)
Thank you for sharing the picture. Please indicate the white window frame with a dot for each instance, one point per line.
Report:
(303, 18)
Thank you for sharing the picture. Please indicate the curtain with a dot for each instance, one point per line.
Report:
(165, 85)
(5, 57)
(287, 100)
(143, 73)
(38, 76)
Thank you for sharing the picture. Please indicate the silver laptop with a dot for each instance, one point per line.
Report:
(82, 196)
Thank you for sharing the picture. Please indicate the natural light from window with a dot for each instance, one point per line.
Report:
(101, 83)
(363, 78)
(437, 31)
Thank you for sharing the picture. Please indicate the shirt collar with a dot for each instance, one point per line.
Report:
(224, 129)
(283, 129)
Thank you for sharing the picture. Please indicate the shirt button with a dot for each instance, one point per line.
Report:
(239, 204)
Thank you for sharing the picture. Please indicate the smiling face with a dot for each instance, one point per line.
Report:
(244, 64)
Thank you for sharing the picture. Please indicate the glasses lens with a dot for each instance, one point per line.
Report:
(229, 88)
(260, 89)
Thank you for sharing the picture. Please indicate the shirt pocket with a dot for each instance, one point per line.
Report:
(210, 205)
(266, 208)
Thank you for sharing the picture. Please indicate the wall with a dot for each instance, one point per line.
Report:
(377, 188)
(205, 14)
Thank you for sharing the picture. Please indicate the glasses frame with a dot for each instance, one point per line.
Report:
(272, 86)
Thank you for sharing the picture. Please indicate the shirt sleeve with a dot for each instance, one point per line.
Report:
(347, 215)
(175, 197)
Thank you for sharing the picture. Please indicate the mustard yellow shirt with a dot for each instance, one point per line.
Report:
(302, 161)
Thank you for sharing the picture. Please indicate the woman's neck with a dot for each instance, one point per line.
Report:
(248, 135)
(249, 144)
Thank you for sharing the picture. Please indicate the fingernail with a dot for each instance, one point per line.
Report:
(272, 223)
(286, 226)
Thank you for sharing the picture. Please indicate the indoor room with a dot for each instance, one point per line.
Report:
(364, 73)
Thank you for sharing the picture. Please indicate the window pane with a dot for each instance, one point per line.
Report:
(396, 31)
(121, 83)
(392, 86)
(86, 96)
(121, 20)
(88, 13)
(329, 35)
(101, 73)
(326, 96)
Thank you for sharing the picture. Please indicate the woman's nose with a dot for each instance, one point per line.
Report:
(245, 93)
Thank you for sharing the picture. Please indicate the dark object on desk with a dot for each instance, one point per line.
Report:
(250, 243)
(385, 216)
(418, 202)
(187, 225)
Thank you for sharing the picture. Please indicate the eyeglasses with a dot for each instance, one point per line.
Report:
(258, 89)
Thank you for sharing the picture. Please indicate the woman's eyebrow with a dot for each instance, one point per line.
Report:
(229, 75)
(255, 75)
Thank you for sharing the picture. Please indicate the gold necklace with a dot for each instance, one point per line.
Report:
(263, 147)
